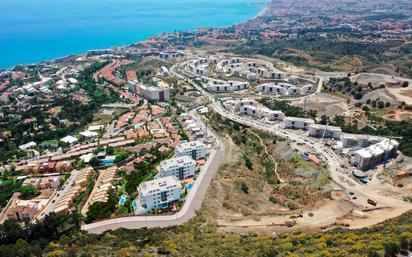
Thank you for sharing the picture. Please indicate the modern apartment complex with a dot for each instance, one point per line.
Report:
(196, 150)
(297, 123)
(324, 131)
(376, 154)
(179, 167)
(158, 194)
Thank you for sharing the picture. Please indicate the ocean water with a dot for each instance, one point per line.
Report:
(37, 30)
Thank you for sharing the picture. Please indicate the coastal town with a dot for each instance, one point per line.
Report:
(150, 134)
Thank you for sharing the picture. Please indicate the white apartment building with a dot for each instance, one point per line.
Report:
(275, 116)
(181, 167)
(158, 194)
(307, 89)
(216, 85)
(324, 131)
(251, 110)
(297, 123)
(376, 154)
(271, 88)
(196, 150)
(293, 90)
(355, 140)
(153, 93)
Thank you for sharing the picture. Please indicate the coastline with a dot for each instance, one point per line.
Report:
(263, 6)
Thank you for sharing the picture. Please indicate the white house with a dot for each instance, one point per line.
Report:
(69, 140)
(180, 167)
(196, 150)
(158, 194)
(297, 123)
(275, 116)
(27, 146)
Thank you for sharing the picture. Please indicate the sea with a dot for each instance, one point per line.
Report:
(37, 30)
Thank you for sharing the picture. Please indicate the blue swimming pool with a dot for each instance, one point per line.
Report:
(123, 199)
(107, 163)
(135, 204)
(189, 186)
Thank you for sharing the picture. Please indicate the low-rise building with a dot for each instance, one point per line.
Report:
(158, 194)
(324, 131)
(180, 167)
(27, 146)
(376, 154)
(25, 209)
(275, 116)
(42, 183)
(251, 110)
(297, 123)
(196, 150)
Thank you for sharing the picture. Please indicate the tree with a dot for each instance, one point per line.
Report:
(244, 187)
(27, 191)
(22, 248)
(10, 232)
(391, 249)
(373, 253)
(404, 242)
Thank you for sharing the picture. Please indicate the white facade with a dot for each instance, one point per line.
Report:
(375, 154)
(324, 131)
(251, 110)
(307, 89)
(293, 90)
(354, 140)
(153, 93)
(297, 123)
(275, 116)
(159, 193)
(180, 167)
(271, 88)
(196, 150)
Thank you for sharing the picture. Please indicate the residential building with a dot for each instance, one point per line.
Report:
(27, 146)
(324, 131)
(196, 150)
(25, 209)
(158, 194)
(180, 167)
(42, 183)
(376, 154)
(355, 140)
(251, 110)
(153, 93)
(297, 123)
(275, 116)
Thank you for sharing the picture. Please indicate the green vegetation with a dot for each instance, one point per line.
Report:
(101, 210)
(27, 191)
(144, 171)
(387, 239)
(7, 187)
(287, 108)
